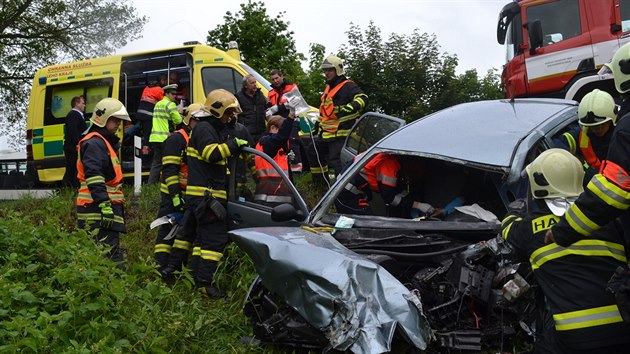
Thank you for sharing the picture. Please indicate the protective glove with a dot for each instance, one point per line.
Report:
(178, 202)
(418, 208)
(107, 215)
(271, 111)
(241, 142)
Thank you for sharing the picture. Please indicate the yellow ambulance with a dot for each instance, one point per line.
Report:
(200, 69)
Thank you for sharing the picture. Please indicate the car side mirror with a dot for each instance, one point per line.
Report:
(286, 212)
(534, 32)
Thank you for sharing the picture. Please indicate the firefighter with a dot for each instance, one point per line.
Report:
(280, 86)
(271, 190)
(100, 201)
(577, 315)
(607, 195)
(597, 116)
(206, 195)
(379, 175)
(165, 118)
(174, 178)
(151, 95)
(341, 105)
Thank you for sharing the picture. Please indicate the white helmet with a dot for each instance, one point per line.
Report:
(219, 100)
(106, 108)
(333, 62)
(597, 107)
(555, 173)
(195, 111)
(619, 67)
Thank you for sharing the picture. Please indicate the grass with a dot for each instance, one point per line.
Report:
(58, 294)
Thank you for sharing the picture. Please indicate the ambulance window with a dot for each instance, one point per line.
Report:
(560, 20)
(625, 15)
(58, 98)
(221, 77)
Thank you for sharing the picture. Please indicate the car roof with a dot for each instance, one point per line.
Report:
(484, 132)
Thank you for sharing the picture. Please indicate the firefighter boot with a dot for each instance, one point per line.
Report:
(212, 292)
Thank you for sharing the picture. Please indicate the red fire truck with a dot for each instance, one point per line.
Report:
(554, 48)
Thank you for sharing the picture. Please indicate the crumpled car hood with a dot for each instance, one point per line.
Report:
(356, 303)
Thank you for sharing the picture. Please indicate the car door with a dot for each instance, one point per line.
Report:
(368, 130)
(243, 209)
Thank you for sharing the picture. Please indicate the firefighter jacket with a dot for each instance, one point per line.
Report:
(342, 103)
(270, 187)
(591, 148)
(607, 195)
(150, 97)
(253, 115)
(165, 118)
(100, 175)
(275, 98)
(379, 175)
(573, 279)
(207, 156)
(174, 168)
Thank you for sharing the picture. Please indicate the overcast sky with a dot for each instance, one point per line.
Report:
(463, 27)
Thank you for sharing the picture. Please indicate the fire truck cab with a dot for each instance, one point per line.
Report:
(554, 48)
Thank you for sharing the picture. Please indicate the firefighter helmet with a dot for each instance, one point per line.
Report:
(619, 67)
(555, 173)
(219, 100)
(333, 62)
(597, 107)
(195, 111)
(106, 108)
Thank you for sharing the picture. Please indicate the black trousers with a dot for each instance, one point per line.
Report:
(210, 240)
(156, 163)
(70, 178)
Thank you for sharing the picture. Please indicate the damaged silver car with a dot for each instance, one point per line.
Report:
(390, 280)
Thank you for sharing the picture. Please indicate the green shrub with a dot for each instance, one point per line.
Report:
(59, 294)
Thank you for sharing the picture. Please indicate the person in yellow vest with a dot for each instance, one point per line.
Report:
(341, 105)
(100, 201)
(166, 116)
(597, 115)
(174, 178)
(271, 190)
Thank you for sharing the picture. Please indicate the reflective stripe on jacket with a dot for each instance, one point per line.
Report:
(113, 186)
(174, 167)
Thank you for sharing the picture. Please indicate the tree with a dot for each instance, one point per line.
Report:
(37, 33)
(265, 42)
(408, 76)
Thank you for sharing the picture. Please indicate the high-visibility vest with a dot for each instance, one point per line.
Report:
(329, 120)
(374, 172)
(276, 97)
(264, 169)
(587, 150)
(152, 95)
(165, 119)
(114, 187)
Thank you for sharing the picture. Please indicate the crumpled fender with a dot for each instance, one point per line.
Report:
(356, 303)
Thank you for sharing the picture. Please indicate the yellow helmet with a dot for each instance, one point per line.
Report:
(106, 108)
(555, 173)
(220, 100)
(597, 107)
(333, 62)
(195, 111)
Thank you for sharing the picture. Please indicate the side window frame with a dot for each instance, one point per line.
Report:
(209, 76)
(79, 88)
